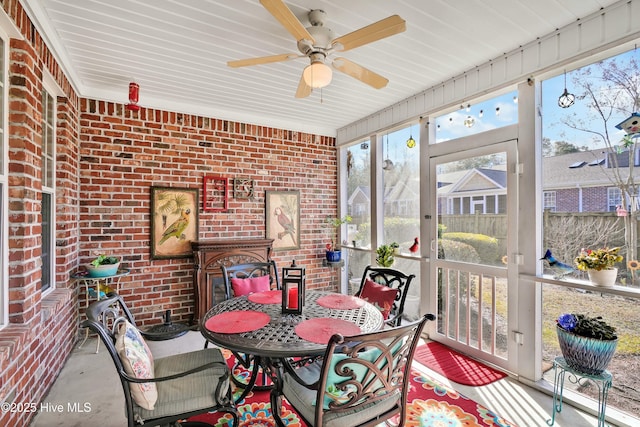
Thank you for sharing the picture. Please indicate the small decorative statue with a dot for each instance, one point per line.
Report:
(559, 269)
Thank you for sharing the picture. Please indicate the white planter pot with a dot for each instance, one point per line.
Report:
(603, 277)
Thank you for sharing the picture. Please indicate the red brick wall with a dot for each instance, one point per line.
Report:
(594, 199)
(42, 330)
(124, 153)
(107, 159)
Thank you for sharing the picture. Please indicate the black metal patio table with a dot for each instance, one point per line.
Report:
(277, 340)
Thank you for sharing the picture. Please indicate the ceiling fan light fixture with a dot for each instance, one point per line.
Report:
(317, 75)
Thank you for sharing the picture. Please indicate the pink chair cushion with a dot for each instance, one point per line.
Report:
(248, 286)
(379, 295)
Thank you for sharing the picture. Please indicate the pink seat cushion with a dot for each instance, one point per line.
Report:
(248, 286)
(379, 295)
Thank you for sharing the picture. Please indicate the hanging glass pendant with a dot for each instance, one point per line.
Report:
(469, 121)
(567, 99)
(411, 142)
(387, 164)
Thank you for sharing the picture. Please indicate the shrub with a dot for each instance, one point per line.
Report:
(441, 229)
(395, 230)
(485, 246)
(458, 251)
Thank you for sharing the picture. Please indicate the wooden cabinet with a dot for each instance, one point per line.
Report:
(210, 255)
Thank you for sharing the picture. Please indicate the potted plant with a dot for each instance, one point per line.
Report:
(587, 343)
(385, 254)
(599, 265)
(103, 266)
(334, 253)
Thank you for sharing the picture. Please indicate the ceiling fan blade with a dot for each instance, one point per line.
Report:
(287, 19)
(352, 69)
(371, 33)
(304, 89)
(262, 60)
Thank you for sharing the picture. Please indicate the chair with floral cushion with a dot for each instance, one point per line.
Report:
(361, 380)
(387, 289)
(161, 391)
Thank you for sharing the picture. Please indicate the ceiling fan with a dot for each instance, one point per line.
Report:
(317, 42)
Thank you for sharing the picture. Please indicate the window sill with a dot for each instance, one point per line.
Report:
(399, 255)
(53, 302)
(625, 291)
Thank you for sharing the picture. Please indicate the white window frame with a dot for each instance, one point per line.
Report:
(8, 30)
(546, 203)
(50, 86)
(614, 195)
(4, 190)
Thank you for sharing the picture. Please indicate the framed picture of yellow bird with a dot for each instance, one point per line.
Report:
(174, 221)
(282, 212)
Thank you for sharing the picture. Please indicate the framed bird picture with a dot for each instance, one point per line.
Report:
(174, 221)
(282, 214)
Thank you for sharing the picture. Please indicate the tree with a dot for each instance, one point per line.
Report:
(486, 162)
(610, 90)
(564, 147)
(558, 148)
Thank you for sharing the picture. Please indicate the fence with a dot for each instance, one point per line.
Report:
(565, 233)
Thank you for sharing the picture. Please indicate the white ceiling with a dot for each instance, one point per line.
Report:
(177, 50)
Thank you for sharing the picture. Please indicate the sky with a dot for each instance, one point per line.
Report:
(502, 111)
(452, 125)
(552, 114)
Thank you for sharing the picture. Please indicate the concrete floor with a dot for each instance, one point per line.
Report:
(89, 392)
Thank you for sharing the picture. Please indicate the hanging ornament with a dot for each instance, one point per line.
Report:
(134, 97)
(387, 164)
(411, 142)
(469, 121)
(567, 99)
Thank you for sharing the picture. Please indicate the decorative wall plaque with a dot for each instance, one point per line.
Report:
(243, 188)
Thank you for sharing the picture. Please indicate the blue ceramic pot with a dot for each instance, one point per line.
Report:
(587, 355)
(334, 256)
(104, 270)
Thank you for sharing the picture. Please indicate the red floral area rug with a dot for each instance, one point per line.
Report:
(455, 366)
(429, 404)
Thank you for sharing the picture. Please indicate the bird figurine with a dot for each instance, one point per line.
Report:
(559, 269)
(416, 245)
(177, 228)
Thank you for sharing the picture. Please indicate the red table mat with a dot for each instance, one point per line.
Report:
(341, 302)
(266, 297)
(235, 322)
(320, 329)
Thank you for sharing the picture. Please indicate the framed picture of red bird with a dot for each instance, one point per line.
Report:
(174, 221)
(282, 214)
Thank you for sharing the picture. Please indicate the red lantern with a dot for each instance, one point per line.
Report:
(293, 289)
(134, 97)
